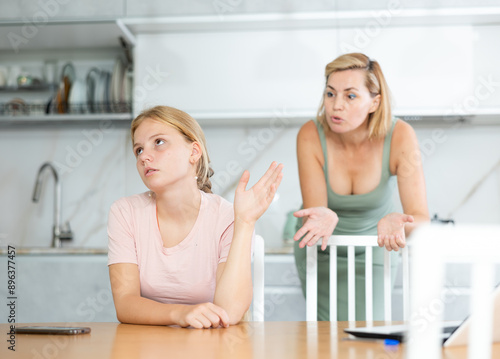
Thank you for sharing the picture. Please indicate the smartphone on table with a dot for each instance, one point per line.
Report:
(52, 330)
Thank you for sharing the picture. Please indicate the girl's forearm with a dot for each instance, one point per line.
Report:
(234, 287)
(134, 309)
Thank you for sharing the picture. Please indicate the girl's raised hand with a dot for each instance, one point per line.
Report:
(250, 204)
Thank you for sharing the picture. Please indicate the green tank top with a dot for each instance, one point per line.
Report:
(359, 213)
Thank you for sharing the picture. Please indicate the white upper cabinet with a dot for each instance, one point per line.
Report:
(156, 8)
(43, 11)
(139, 8)
(150, 8)
(431, 71)
(412, 4)
(429, 68)
(252, 59)
(233, 74)
(486, 69)
(226, 15)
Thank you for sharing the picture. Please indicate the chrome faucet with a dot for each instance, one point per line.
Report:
(59, 232)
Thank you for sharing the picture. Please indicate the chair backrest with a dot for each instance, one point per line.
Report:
(258, 279)
(351, 242)
(433, 246)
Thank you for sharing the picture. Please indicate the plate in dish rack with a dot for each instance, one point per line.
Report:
(116, 84)
(91, 83)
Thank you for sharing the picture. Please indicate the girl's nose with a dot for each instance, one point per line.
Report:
(145, 157)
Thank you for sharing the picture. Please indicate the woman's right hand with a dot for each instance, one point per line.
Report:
(320, 223)
(205, 315)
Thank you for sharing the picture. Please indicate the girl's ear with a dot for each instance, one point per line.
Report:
(195, 152)
(375, 104)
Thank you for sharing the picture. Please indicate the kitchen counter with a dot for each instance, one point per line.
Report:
(55, 251)
(280, 250)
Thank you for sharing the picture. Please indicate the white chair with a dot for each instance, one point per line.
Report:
(351, 242)
(258, 279)
(433, 246)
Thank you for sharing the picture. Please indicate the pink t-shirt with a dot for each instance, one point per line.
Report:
(185, 273)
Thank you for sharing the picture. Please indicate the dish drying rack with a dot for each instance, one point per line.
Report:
(20, 108)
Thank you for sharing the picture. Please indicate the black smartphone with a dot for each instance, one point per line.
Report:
(52, 330)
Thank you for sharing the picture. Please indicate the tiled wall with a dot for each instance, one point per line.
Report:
(97, 167)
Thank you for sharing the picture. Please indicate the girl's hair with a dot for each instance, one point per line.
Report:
(379, 122)
(191, 131)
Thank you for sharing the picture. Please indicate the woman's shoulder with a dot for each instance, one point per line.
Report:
(309, 129)
(309, 135)
(401, 125)
(403, 132)
(404, 144)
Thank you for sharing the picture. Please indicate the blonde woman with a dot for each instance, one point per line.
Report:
(178, 254)
(349, 160)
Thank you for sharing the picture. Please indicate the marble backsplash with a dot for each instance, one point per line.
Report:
(97, 167)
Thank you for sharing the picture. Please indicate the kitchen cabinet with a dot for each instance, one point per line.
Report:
(74, 287)
(152, 8)
(228, 15)
(39, 12)
(61, 288)
(352, 9)
(421, 65)
(284, 299)
(421, 45)
(283, 293)
(138, 8)
(413, 4)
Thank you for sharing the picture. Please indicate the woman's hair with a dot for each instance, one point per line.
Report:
(191, 131)
(379, 122)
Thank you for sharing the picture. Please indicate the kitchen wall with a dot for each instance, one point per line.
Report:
(459, 160)
(279, 72)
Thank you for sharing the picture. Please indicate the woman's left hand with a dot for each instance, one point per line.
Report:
(250, 204)
(391, 231)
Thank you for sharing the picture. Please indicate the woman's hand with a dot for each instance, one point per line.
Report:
(391, 231)
(320, 223)
(250, 204)
(205, 315)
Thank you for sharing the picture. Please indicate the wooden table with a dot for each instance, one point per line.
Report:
(246, 340)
